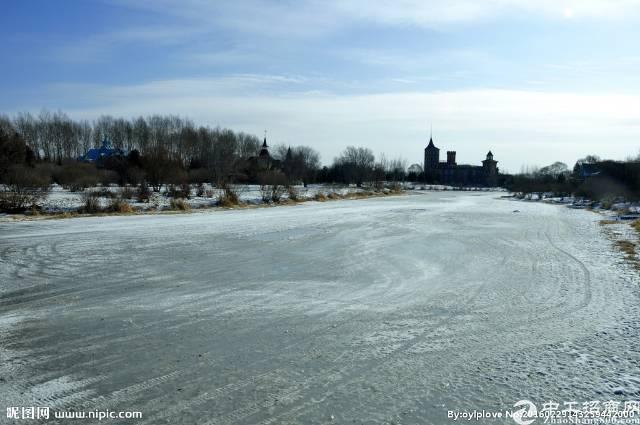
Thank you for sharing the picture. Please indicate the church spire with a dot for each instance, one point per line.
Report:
(431, 145)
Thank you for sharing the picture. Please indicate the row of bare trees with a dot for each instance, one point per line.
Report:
(357, 165)
(56, 137)
(591, 177)
(170, 150)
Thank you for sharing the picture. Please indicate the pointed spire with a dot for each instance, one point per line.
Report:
(431, 145)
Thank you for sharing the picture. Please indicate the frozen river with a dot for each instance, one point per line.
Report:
(387, 310)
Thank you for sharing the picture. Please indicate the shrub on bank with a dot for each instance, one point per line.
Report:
(180, 205)
(229, 197)
(119, 205)
(272, 193)
(320, 197)
(76, 176)
(127, 192)
(200, 190)
(104, 192)
(91, 203)
(179, 191)
(24, 188)
(144, 192)
(395, 187)
(293, 194)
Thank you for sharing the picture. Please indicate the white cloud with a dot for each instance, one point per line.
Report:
(312, 17)
(98, 47)
(434, 12)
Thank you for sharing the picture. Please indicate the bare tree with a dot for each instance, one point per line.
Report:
(248, 145)
(6, 125)
(27, 126)
(22, 184)
(397, 169)
(223, 158)
(356, 164)
(84, 135)
(140, 135)
(45, 134)
(102, 128)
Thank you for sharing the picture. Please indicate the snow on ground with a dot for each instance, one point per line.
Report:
(381, 310)
(60, 199)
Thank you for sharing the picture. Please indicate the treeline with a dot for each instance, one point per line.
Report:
(161, 150)
(55, 137)
(171, 144)
(159, 147)
(591, 178)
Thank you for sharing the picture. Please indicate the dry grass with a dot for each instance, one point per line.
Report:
(65, 214)
(228, 198)
(180, 205)
(321, 197)
(605, 222)
(636, 225)
(366, 194)
(395, 188)
(120, 206)
(629, 249)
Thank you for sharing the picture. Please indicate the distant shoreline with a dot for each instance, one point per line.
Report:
(324, 195)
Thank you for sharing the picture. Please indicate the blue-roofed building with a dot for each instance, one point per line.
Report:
(105, 151)
(584, 170)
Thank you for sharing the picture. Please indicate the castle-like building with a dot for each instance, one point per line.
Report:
(449, 172)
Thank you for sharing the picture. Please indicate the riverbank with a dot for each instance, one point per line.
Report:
(110, 201)
(620, 221)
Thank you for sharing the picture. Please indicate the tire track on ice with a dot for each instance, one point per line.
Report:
(329, 376)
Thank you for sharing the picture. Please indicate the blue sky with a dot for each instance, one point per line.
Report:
(533, 80)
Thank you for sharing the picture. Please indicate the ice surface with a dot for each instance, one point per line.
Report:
(376, 310)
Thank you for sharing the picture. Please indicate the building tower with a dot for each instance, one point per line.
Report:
(264, 157)
(431, 157)
(490, 170)
(264, 151)
(451, 158)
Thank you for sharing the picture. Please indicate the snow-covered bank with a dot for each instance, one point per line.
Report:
(63, 203)
(61, 199)
(619, 209)
(621, 220)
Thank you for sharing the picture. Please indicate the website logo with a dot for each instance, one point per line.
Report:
(526, 414)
